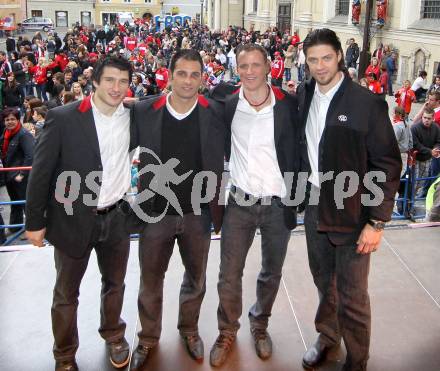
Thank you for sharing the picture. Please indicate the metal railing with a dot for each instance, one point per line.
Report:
(407, 200)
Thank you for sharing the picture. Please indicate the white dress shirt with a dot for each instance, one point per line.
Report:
(254, 165)
(114, 141)
(315, 127)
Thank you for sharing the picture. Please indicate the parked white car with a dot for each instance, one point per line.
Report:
(38, 24)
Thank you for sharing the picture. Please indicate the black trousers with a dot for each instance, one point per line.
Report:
(111, 241)
(341, 276)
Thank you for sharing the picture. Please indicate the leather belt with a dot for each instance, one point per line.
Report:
(267, 200)
(106, 210)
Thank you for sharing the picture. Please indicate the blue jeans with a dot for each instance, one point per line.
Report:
(41, 92)
(288, 74)
(341, 277)
(301, 72)
(390, 82)
(239, 226)
(156, 245)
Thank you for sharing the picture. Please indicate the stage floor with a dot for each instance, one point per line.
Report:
(404, 288)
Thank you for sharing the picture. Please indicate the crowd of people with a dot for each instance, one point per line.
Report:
(267, 133)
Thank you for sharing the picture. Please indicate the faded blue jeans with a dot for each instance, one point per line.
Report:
(239, 226)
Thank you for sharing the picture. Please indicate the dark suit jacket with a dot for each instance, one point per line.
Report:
(286, 123)
(68, 142)
(358, 137)
(148, 119)
(20, 153)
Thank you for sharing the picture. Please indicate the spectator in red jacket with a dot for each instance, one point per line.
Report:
(373, 84)
(383, 79)
(277, 70)
(295, 39)
(39, 76)
(373, 67)
(61, 60)
(131, 42)
(161, 76)
(405, 97)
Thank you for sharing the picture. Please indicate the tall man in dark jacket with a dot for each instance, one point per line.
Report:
(352, 54)
(183, 132)
(261, 148)
(349, 149)
(80, 174)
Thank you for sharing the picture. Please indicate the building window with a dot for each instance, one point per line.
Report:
(431, 9)
(254, 6)
(342, 7)
(148, 1)
(36, 13)
(86, 18)
(61, 19)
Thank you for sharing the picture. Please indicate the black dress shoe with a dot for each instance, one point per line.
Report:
(263, 342)
(66, 365)
(315, 354)
(194, 346)
(139, 358)
(119, 353)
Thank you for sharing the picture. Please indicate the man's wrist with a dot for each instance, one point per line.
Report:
(378, 225)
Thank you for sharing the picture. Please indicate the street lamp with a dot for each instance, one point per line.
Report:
(201, 12)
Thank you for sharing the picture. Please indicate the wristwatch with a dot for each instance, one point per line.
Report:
(378, 225)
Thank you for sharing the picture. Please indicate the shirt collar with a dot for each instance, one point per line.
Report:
(177, 115)
(119, 111)
(331, 93)
(244, 101)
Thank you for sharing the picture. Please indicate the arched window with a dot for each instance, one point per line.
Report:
(342, 7)
(431, 9)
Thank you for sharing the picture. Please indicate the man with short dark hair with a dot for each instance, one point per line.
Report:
(86, 85)
(180, 135)
(426, 138)
(98, 128)
(346, 140)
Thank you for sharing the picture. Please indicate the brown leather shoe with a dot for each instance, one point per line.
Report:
(220, 350)
(66, 365)
(139, 358)
(194, 346)
(315, 354)
(263, 342)
(119, 353)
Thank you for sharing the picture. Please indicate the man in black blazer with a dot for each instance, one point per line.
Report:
(81, 172)
(350, 153)
(180, 135)
(261, 149)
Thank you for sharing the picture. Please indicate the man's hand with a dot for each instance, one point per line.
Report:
(36, 237)
(368, 240)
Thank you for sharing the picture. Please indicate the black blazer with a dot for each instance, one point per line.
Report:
(68, 142)
(148, 119)
(358, 136)
(20, 153)
(286, 121)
